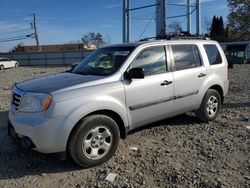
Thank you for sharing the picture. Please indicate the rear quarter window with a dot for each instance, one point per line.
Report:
(213, 54)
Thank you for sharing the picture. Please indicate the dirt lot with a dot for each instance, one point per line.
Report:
(176, 152)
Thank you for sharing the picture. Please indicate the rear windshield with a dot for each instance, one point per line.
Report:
(213, 54)
(104, 61)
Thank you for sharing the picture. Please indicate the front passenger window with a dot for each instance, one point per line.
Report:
(151, 60)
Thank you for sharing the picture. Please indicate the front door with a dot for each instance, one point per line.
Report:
(151, 98)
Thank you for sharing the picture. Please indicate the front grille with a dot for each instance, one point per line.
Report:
(16, 100)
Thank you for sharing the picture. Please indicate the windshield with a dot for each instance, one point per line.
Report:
(104, 61)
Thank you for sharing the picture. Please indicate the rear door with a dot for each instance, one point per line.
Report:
(189, 74)
(150, 99)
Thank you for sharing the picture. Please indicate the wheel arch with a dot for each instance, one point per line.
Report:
(115, 116)
(220, 91)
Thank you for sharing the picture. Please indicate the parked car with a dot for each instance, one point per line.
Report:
(237, 52)
(114, 90)
(7, 63)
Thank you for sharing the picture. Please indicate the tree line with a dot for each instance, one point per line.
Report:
(237, 27)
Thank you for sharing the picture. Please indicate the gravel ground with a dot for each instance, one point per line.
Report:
(176, 152)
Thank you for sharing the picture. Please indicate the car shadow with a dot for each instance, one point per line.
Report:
(180, 120)
(236, 105)
(17, 162)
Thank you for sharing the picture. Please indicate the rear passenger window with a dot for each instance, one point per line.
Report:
(213, 54)
(186, 56)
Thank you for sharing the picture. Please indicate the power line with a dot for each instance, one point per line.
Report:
(138, 18)
(16, 37)
(182, 5)
(33, 26)
(16, 17)
(21, 37)
(181, 15)
(16, 31)
(146, 27)
(169, 17)
(142, 7)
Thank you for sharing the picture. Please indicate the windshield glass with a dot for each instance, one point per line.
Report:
(104, 61)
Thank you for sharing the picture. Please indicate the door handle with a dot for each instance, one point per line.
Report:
(165, 82)
(201, 75)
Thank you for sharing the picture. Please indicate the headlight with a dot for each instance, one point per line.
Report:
(35, 102)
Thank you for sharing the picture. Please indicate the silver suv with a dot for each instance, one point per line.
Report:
(114, 90)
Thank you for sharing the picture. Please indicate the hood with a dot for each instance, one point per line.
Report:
(55, 82)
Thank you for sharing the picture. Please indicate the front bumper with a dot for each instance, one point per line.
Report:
(49, 135)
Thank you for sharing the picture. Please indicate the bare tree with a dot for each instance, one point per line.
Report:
(238, 20)
(94, 39)
(107, 39)
(175, 27)
(18, 48)
(206, 24)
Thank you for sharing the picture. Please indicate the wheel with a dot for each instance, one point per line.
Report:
(94, 141)
(17, 65)
(210, 106)
(1, 67)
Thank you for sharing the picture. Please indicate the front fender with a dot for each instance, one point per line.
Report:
(99, 103)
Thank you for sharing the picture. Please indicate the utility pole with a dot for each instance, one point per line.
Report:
(160, 18)
(126, 21)
(198, 17)
(188, 16)
(36, 33)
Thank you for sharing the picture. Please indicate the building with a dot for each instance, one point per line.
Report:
(55, 47)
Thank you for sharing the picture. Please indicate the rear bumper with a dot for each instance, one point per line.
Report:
(47, 135)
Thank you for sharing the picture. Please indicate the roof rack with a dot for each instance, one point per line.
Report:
(147, 39)
(179, 36)
(189, 38)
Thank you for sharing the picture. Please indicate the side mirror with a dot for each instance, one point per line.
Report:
(73, 66)
(137, 73)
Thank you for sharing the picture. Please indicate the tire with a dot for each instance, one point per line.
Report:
(94, 141)
(1, 67)
(210, 106)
